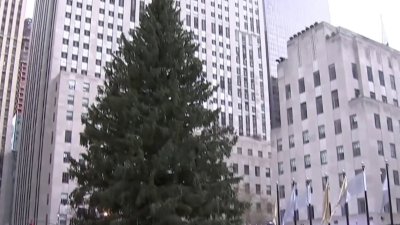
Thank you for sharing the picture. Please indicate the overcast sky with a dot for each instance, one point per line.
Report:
(361, 16)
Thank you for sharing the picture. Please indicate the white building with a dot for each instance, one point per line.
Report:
(339, 107)
(73, 40)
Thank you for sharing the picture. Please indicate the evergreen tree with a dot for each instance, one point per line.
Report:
(155, 155)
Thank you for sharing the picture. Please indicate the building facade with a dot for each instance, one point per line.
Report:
(71, 43)
(339, 108)
(11, 28)
(10, 154)
(283, 18)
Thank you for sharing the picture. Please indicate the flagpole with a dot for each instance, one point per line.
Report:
(346, 206)
(389, 195)
(295, 192)
(309, 202)
(365, 194)
(330, 212)
(277, 204)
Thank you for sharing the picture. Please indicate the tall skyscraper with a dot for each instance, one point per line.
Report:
(73, 40)
(283, 19)
(11, 27)
(339, 96)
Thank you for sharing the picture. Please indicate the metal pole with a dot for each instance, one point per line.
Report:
(309, 203)
(309, 213)
(365, 195)
(295, 210)
(277, 205)
(346, 208)
(389, 194)
(330, 212)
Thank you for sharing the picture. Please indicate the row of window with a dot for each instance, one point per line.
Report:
(246, 170)
(239, 151)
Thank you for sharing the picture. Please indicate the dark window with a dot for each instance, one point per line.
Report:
(381, 78)
(321, 131)
(65, 178)
(302, 87)
(354, 70)
(303, 108)
(396, 180)
(338, 126)
(307, 161)
(356, 93)
(323, 158)
(392, 82)
(381, 151)
(332, 72)
(306, 137)
(369, 73)
(257, 171)
(288, 91)
(68, 136)
(290, 116)
(361, 205)
(356, 149)
(282, 193)
(246, 169)
(389, 124)
(319, 105)
(353, 122)
(235, 168)
(372, 95)
(317, 79)
(393, 152)
(335, 99)
(377, 121)
(340, 153)
(67, 157)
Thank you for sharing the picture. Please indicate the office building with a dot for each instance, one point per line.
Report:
(10, 156)
(73, 40)
(283, 18)
(339, 106)
(11, 27)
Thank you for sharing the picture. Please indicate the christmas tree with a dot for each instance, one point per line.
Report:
(155, 154)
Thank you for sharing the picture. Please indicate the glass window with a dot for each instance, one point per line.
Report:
(288, 91)
(307, 161)
(389, 124)
(369, 73)
(381, 78)
(65, 178)
(319, 105)
(290, 116)
(64, 198)
(354, 70)
(396, 180)
(340, 153)
(86, 87)
(393, 152)
(356, 149)
(235, 168)
(71, 85)
(247, 188)
(306, 137)
(317, 79)
(267, 172)
(268, 190)
(332, 72)
(321, 131)
(302, 87)
(303, 108)
(353, 122)
(70, 99)
(239, 150)
(392, 82)
(338, 127)
(377, 121)
(323, 157)
(291, 141)
(282, 192)
(279, 145)
(68, 136)
(246, 169)
(66, 157)
(361, 205)
(257, 171)
(258, 189)
(280, 168)
(70, 115)
(380, 148)
(335, 99)
(293, 165)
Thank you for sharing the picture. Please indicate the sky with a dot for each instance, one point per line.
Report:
(360, 16)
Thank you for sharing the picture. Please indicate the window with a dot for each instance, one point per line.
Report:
(64, 198)
(398, 205)
(70, 115)
(239, 150)
(288, 92)
(302, 87)
(319, 105)
(380, 148)
(306, 137)
(307, 161)
(341, 178)
(354, 70)
(70, 100)
(372, 95)
(303, 108)
(392, 82)
(268, 190)
(279, 144)
(369, 73)
(280, 168)
(381, 78)
(293, 165)
(258, 189)
(246, 169)
(323, 157)
(389, 124)
(290, 116)
(291, 141)
(332, 72)
(361, 205)
(71, 85)
(250, 152)
(321, 131)
(235, 168)
(353, 122)
(396, 180)
(356, 149)
(267, 172)
(68, 136)
(393, 152)
(340, 153)
(86, 87)
(356, 93)
(260, 154)
(257, 171)
(317, 79)
(66, 157)
(85, 102)
(335, 99)
(395, 102)
(65, 178)
(338, 127)
(377, 121)
(282, 192)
